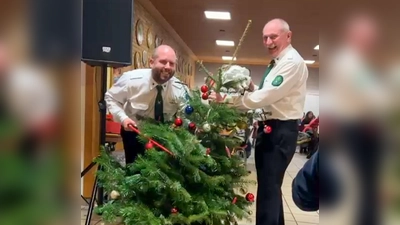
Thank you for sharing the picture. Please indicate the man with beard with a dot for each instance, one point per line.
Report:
(145, 93)
(282, 92)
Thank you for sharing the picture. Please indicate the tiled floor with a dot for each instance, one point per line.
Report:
(293, 215)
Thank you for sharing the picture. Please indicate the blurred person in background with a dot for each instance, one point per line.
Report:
(357, 109)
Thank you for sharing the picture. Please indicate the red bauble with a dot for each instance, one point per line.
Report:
(178, 122)
(250, 197)
(204, 96)
(149, 145)
(174, 210)
(192, 126)
(267, 129)
(204, 88)
(208, 151)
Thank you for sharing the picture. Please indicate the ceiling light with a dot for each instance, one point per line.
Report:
(309, 61)
(225, 43)
(217, 15)
(228, 58)
(316, 47)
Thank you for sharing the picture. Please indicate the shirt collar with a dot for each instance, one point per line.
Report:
(282, 54)
(153, 83)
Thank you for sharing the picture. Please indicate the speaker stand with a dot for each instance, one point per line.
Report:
(103, 111)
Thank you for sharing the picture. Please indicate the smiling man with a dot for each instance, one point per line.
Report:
(145, 93)
(281, 92)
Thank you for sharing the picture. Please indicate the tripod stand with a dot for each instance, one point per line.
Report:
(102, 109)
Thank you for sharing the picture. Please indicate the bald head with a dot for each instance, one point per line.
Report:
(163, 63)
(278, 23)
(163, 49)
(276, 36)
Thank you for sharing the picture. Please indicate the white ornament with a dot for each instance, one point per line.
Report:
(114, 194)
(207, 127)
(239, 74)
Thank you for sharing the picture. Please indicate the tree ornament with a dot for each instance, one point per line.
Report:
(250, 197)
(204, 96)
(114, 194)
(267, 129)
(250, 212)
(192, 126)
(204, 88)
(207, 127)
(178, 122)
(242, 125)
(243, 190)
(208, 151)
(189, 109)
(149, 145)
(174, 210)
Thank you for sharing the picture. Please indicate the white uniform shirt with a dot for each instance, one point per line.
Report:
(134, 95)
(286, 100)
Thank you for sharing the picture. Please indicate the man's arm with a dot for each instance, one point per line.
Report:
(116, 97)
(278, 84)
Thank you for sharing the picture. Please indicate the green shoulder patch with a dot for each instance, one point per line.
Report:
(277, 81)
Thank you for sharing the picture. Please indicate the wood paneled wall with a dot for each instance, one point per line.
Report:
(153, 20)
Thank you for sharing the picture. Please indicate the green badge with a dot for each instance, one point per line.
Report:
(277, 81)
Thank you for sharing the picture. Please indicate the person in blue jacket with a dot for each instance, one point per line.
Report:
(308, 192)
(305, 186)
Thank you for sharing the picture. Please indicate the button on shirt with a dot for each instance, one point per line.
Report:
(134, 94)
(284, 88)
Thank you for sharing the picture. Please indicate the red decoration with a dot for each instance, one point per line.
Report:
(204, 96)
(151, 140)
(250, 197)
(234, 200)
(192, 126)
(267, 129)
(174, 210)
(204, 88)
(178, 122)
(149, 145)
(208, 151)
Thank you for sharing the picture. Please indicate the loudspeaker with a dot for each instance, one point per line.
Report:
(107, 32)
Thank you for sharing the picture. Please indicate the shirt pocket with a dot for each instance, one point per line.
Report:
(140, 109)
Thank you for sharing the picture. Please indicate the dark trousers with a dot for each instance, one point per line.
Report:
(273, 153)
(132, 146)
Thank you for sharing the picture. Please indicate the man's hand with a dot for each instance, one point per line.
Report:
(251, 86)
(215, 97)
(128, 122)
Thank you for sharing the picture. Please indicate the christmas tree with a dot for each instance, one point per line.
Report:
(190, 172)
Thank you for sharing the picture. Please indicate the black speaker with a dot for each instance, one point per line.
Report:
(107, 32)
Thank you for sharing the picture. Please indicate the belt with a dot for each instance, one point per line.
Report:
(275, 122)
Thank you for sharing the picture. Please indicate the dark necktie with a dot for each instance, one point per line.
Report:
(270, 66)
(158, 107)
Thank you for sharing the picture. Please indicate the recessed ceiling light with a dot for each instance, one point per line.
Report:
(228, 58)
(225, 43)
(309, 61)
(316, 47)
(217, 15)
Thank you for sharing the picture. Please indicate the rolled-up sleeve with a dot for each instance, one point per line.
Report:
(278, 83)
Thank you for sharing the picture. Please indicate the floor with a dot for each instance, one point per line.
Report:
(293, 215)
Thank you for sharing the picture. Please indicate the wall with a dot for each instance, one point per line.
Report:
(156, 28)
(257, 72)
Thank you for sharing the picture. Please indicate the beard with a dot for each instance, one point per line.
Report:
(162, 75)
